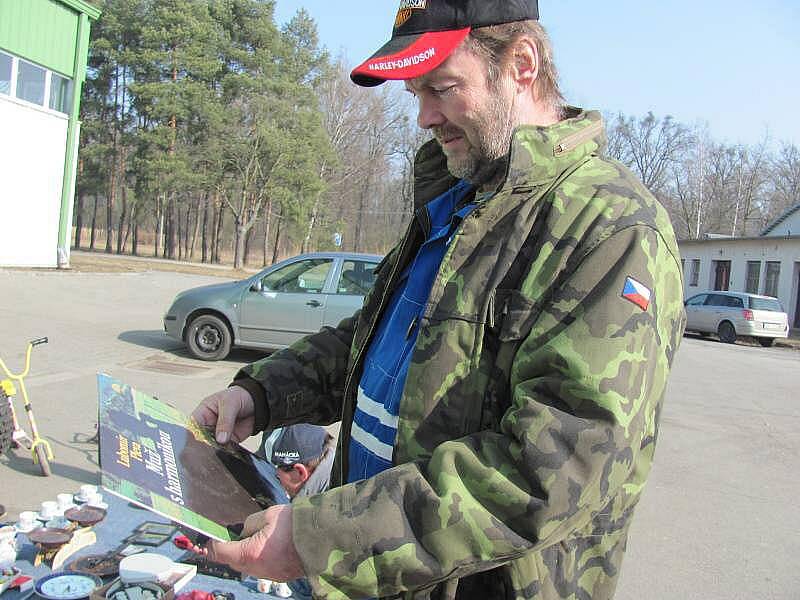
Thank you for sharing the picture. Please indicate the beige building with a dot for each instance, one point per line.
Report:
(768, 264)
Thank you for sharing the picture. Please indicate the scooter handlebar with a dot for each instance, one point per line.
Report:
(39, 341)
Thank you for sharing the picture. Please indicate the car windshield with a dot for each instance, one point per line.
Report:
(769, 304)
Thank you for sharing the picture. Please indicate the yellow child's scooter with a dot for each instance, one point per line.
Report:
(11, 433)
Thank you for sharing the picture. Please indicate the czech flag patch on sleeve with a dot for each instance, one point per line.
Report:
(637, 292)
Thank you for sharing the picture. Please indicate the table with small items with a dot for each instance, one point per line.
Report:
(98, 538)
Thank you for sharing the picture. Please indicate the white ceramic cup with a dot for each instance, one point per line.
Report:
(96, 500)
(27, 519)
(282, 590)
(64, 502)
(49, 510)
(7, 534)
(86, 492)
(264, 586)
(8, 554)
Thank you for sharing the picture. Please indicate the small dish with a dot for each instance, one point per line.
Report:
(86, 515)
(26, 528)
(50, 538)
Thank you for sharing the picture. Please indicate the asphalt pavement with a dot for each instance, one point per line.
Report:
(718, 519)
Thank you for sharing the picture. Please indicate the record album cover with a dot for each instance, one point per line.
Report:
(155, 456)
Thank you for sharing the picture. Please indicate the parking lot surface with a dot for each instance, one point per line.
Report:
(718, 520)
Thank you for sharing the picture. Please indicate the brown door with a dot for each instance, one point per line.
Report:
(723, 275)
(797, 308)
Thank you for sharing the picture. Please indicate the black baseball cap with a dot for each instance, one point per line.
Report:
(299, 443)
(427, 31)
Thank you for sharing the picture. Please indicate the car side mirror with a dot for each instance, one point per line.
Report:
(256, 287)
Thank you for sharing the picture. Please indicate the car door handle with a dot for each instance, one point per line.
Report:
(314, 303)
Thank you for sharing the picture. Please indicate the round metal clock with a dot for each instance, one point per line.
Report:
(67, 585)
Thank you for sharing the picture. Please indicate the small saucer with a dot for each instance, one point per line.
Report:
(57, 523)
(85, 516)
(100, 505)
(43, 519)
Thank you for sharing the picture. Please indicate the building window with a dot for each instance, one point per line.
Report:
(5, 73)
(60, 93)
(753, 276)
(771, 279)
(30, 83)
(695, 276)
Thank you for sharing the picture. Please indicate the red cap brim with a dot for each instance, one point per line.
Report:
(407, 57)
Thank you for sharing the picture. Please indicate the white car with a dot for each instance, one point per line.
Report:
(737, 314)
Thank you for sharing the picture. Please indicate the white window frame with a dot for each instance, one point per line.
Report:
(12, 88)
(777, 278)
(748, 264)
(694, 275)
(12, 84)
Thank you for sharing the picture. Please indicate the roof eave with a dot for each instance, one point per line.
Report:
(788, 213)
(759, 238)
(83, 7)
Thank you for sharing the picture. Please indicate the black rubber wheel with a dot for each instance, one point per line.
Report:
(766, 342)
(208, 338)
(41, 458)
(6, 423)
(726, 333)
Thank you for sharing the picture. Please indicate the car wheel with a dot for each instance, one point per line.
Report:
(726, 333)
(766, 342)
(208, 338)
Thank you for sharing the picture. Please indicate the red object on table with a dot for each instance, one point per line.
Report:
(184, 543)
(195, 595)
(23, 582)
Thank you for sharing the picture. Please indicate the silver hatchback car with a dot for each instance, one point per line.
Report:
(737, 314)
(273, 308)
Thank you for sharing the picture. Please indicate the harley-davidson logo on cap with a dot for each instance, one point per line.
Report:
(426, 32)
(407, 7)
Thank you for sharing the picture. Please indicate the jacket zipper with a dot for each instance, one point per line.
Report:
(571, 142)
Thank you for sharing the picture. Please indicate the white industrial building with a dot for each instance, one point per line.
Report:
(43, 52)
(768, 264)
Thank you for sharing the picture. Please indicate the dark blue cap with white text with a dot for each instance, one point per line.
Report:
(299, 443)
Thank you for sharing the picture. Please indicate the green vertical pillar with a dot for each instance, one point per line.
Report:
(70, 162)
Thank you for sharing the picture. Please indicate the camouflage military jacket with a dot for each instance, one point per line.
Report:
(513, 478)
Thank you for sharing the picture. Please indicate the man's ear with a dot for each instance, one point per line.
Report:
(300, 473)
(523, 64)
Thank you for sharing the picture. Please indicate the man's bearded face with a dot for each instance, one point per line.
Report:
(472, 142)
(470, 115)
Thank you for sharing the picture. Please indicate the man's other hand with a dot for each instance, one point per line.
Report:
(269, 553)
(230, 412)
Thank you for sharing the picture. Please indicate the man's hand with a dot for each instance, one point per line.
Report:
(269, 553)
(230, 412)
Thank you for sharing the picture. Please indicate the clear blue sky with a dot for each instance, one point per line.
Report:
(732, 64)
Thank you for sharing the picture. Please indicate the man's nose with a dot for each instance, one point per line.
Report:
(429, 114)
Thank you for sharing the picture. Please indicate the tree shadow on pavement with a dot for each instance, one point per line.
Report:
(21, 461)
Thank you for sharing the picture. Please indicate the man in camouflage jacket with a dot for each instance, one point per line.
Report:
(529, 415)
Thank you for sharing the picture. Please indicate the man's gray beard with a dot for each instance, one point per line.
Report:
(488, 161)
